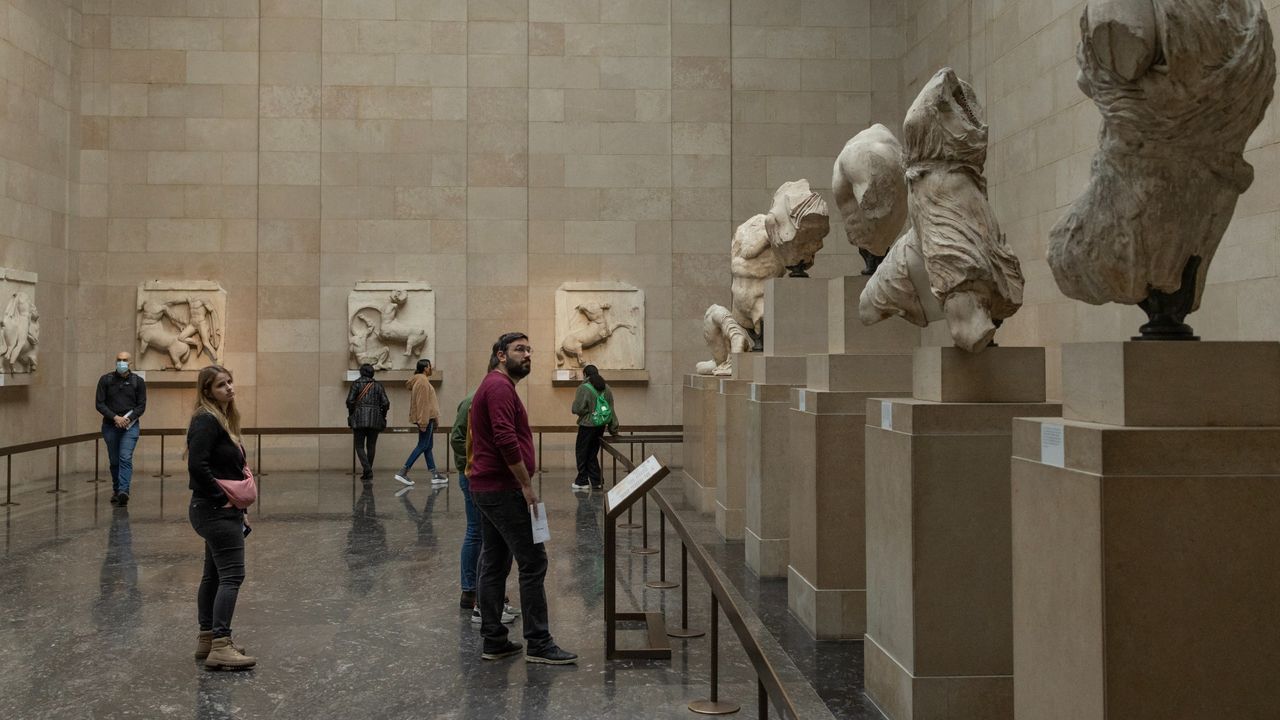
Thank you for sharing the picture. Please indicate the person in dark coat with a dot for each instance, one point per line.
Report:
(367, 406)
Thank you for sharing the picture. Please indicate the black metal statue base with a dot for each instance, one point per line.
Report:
(1166, 311)
(799, 270)
(871, 260)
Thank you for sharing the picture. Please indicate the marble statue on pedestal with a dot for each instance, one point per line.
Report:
(724, 336)
(871, 192)
(954, 262)
(768, 245)
(1181, 85)
(601, 324)
(389, 324)
(181, 325)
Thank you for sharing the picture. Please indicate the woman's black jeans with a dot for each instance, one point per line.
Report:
(366, 440)
(223, 533)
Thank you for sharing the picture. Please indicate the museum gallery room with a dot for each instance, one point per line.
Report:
(639, 359)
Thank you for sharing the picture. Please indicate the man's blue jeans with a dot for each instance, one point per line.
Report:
(120, 444)
(470, 560)
(425, 441)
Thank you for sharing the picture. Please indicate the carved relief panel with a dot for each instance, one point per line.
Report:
(601, 324)
(181, 325)
(391, 324)
(19, 326)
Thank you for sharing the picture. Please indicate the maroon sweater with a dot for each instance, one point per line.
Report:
(500, 436)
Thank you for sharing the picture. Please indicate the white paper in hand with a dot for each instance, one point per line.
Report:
(541, 532)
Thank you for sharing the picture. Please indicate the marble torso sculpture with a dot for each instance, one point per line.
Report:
(871, 192)
(599, 329)
(1181, 84)
(723, 336)
(767, 245)
(954, 262)
(181, 334)
(19, 334)
(376, 330)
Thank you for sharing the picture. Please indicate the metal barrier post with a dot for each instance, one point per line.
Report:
(57, 471)
(713, 706)
(539, 452)
(683, 631)
(644, 548)
(260, 472)
(97, 447)
(8, 482)
(762, 701)
(162, 473)
(630, 524)
(661, 583)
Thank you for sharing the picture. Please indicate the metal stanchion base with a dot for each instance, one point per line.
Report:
(95, 481)
(685, 633)
(661, 584)
(644, 551)
(55, 490)
(714, 707)
(8, 504)
(162, 475)
(629, 526)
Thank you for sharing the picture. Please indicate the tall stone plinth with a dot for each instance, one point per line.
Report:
(826, 580)
(795, 316)
(1146, 523)
(700, 430)
(939, 642)
(769, 472)
(731, 457)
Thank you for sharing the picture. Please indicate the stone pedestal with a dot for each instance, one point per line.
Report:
(795, 316)
(846, 333)
(1146, 523)
(700, 430)
(731, 457)
(939, 641)
(767, 470)
(826, 579)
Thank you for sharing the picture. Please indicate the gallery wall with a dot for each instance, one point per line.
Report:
(495, 149)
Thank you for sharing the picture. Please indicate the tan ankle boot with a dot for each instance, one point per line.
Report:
(223, 655)
(204, 641)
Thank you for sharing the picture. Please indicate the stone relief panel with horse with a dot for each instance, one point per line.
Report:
(390, 324)
(181, 324)
(601, 324)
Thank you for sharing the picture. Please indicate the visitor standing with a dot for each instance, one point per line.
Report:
(215, 452)
(424, 413)
(121, 400)
(593, 404)
(499, 473)
(367, 406)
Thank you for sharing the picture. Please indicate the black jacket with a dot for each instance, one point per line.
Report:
(371, 412)
(118, 395)
(211, 453)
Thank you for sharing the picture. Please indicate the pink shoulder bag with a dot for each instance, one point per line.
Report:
(240, 493)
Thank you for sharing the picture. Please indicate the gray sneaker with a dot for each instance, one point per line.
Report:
(553, 655)
(507, 617)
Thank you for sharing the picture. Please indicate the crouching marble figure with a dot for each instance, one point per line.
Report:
(953, 263)
(1181, 84)
(19, 322)
(767, 245)
(871, 192)
(724, 336)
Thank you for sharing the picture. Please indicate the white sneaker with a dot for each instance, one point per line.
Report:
(403, 490)
(438, 479)
(403, 479)
(509, 609)
(507, 616)
(579, 487)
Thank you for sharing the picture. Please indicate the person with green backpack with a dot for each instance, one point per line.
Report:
(593, 404)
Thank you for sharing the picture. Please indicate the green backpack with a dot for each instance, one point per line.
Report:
(602, 415)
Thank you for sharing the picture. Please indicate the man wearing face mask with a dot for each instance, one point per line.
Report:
(121, 400)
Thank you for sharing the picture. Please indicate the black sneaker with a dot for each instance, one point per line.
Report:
(553, 655)
(122, 499)
(597, 486)
(115, 498)
(511, 648)
(468, 600)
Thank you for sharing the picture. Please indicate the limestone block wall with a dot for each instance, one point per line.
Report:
(40, 231)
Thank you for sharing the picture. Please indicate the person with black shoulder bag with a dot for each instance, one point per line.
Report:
(367, 405)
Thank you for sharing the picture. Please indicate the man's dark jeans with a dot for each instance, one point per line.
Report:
(223, 533)
(507, 532)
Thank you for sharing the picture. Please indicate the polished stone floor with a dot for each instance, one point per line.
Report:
(350, 605)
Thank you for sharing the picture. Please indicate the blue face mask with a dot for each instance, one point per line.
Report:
(122, 366)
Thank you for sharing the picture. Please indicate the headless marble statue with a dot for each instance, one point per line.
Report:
(871, 192)
(724, 336)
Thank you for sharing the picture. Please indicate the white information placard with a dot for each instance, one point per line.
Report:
(632, 482)
(541, 531)
(886, 415)
(801, 404)
(755, 392)
(1052, 444)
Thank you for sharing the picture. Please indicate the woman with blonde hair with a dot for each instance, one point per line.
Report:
(214, 452)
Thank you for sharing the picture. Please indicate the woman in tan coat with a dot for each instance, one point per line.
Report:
(424, 413)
